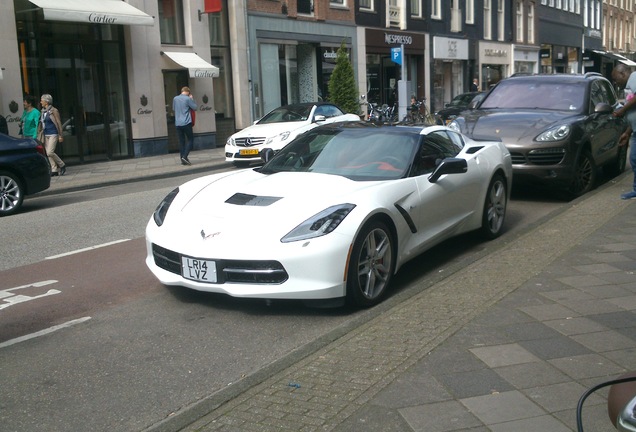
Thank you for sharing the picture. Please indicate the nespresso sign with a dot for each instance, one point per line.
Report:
(381, 41)
(393, 39)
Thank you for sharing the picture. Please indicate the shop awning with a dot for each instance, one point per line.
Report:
(197, 67)
(616, 57)
(93, 11)
(625, 60)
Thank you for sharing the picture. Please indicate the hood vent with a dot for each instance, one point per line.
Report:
(251, 200)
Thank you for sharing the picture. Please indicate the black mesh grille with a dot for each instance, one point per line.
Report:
(230, 271)
(539, 157)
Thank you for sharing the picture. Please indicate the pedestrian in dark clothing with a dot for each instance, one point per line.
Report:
(181, 105)
(626, 79)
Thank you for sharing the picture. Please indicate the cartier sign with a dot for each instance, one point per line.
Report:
(203, 73)
(102, 19)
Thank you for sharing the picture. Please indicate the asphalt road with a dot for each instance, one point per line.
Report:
(98, 344)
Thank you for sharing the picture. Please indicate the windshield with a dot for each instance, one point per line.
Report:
(568, 96)
(462, 100)
(291, 113)
(356, 153)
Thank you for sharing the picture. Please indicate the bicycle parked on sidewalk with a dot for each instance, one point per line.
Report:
(418, 114)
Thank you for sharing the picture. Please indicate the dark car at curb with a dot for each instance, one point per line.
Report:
(459, 103)
(24, 170)
(558, 128)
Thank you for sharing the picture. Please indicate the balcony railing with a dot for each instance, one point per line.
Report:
(396, 14)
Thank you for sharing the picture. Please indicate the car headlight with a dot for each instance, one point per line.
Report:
(454, 126)
(230, 142)
(557, 133)
(320, 224)
(161, 210)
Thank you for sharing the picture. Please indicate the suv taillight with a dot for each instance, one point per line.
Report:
(40, 149)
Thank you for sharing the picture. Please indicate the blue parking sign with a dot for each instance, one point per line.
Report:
(396, 55)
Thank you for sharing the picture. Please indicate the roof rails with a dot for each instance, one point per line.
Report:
(589, 74)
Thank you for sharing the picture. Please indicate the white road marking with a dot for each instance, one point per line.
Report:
(87, 249)
(9, 298)
(43, 332)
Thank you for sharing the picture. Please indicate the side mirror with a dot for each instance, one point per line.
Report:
(319, 118)
(603, 108)
(267, 154)
(473, 104)
(449, 166)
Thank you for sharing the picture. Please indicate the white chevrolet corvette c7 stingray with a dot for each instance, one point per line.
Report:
(332, 216)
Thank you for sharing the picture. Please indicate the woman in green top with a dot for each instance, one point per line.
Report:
(30, 118)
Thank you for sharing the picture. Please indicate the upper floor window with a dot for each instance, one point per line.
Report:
(305, 7)
(470, 11)
(218, 29)
(487, 19)
(171, 22)
(366, 4)
(531, 23)
(416, 8)
(456, 16)
(436, 9)
(339, 3)
(519, 21)
(500, 19)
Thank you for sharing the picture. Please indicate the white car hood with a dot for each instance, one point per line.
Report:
(269, 129)
(250, 205)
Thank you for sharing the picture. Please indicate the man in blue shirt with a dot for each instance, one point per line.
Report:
(181, 105)
(626, 79)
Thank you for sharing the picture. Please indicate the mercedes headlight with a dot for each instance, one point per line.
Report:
(557, 133)
(230, 142)
(320, 224)
(160, 213)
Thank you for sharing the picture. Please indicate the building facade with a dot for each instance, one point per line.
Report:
(114, 66)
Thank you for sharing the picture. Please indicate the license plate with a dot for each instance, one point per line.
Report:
(198, 269)
(248, 152)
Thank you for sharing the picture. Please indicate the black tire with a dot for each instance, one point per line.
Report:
(617, 166)
(495, 204)
(11, 193)
(371, 265)
(584, 175)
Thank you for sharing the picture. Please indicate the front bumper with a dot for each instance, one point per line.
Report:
(307, 270)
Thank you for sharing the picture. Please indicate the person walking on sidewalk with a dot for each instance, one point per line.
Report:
(50, 133)
(626, 79)
(181, 105)
(30, 118)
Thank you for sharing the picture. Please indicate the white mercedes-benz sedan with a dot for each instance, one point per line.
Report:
(278, 128)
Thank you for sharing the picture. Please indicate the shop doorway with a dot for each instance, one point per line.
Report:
(173, 81)
(87, 85)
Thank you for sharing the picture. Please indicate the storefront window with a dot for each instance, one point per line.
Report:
(279, 76)
(83, 67)
(373, 78)
(220, 56)
(171, 22)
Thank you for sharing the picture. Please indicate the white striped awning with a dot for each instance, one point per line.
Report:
(93, 11)
(197, 67)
